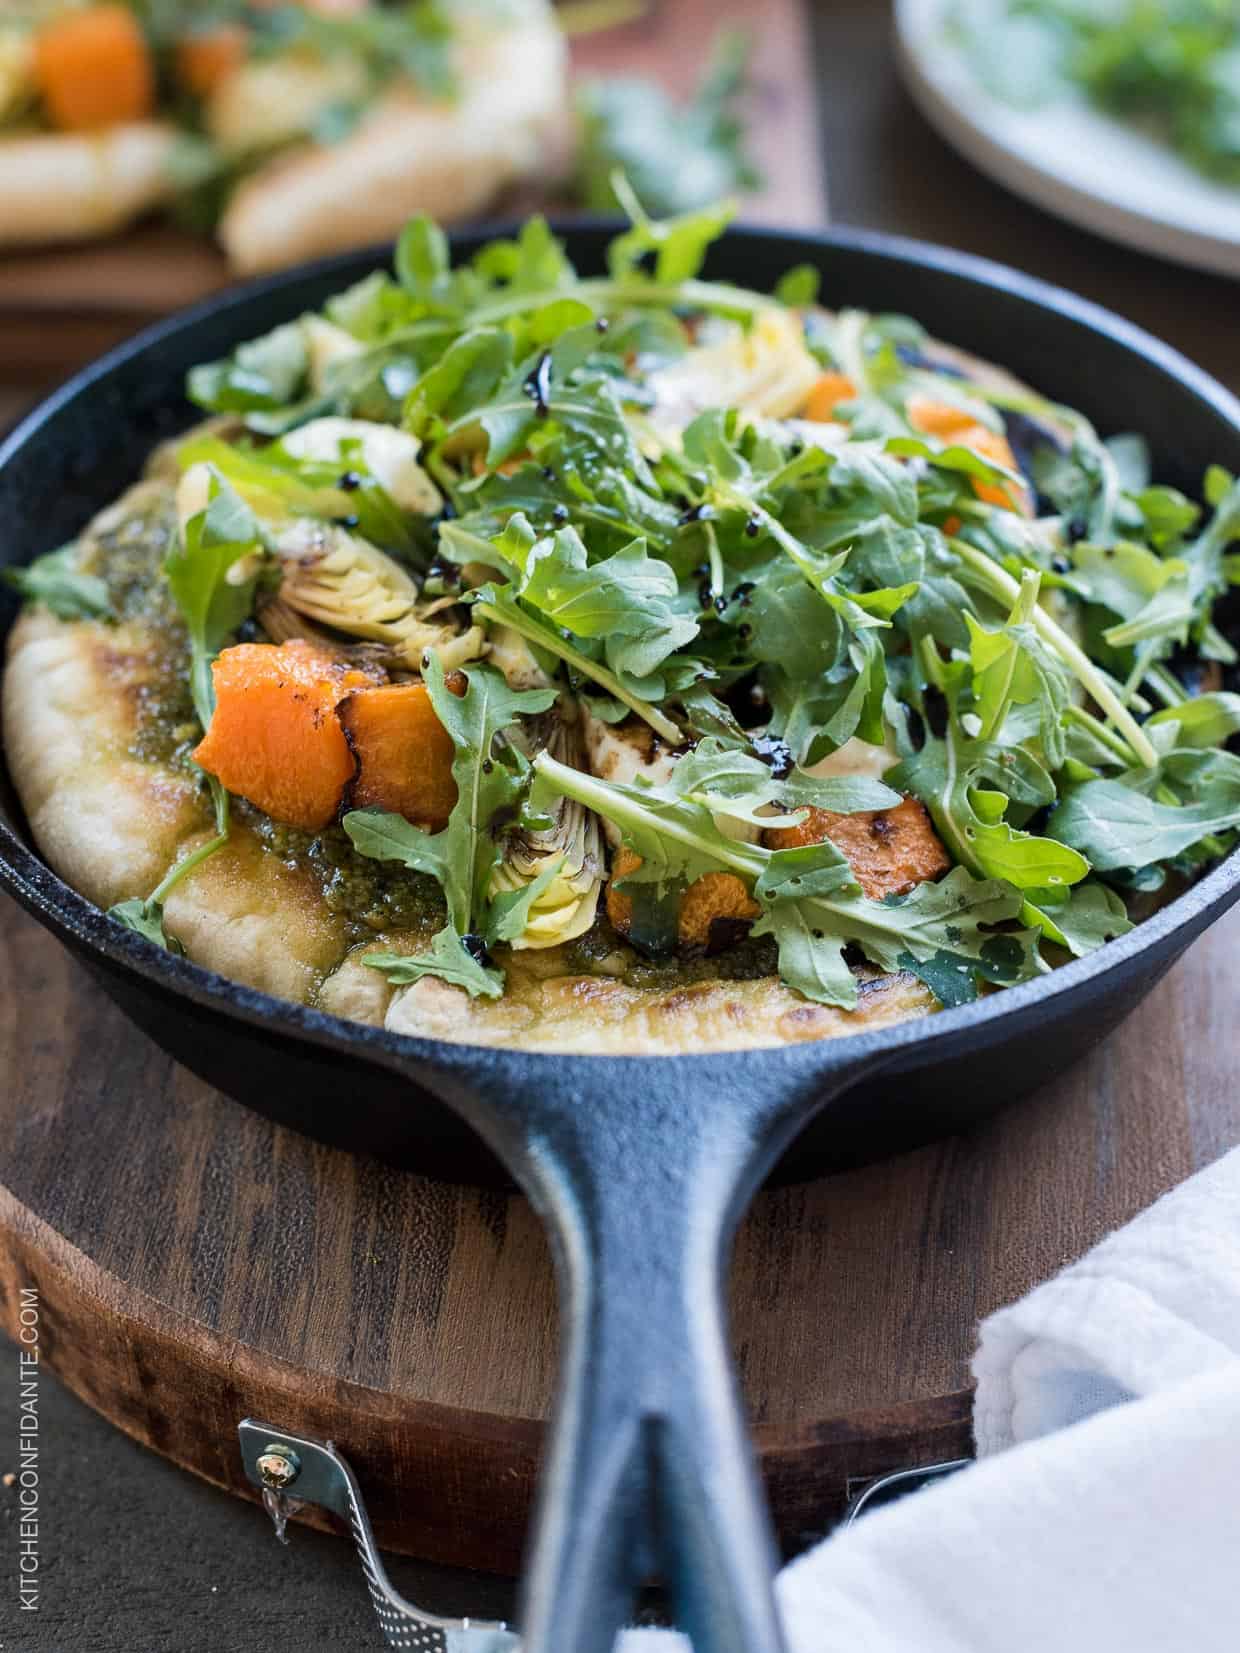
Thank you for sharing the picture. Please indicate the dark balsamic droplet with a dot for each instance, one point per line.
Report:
(744, 632)
(347, 522)
(704, 594)
(601, 325)
(487, 766)
(776, 753)
(560, 515)
(476, 948)
(349, 481)
(696, 513)
(548, 473)
(1061, 565)
(721, 604)
(753, 527)
(1077, 528)
(538, 385)
(446, 573)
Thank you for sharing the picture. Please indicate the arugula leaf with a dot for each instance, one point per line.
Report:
(423, 262)
(628, 600)
(268, 372)
(277, 484)
(145, 918)
(490, 778)
(1013, 667)
(55, 581)
(1205, 720)
(968, 783)
(197, 570)
(1080, 919)
(449, 959)
(550, 577)
(677, 156)
(1186, 598)
(1120, 823)
(718, 773)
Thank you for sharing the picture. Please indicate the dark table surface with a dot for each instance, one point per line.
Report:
(138, 1557)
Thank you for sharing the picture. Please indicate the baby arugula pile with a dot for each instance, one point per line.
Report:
(1028, 674)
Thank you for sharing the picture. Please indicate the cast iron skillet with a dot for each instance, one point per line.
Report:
(640, 1166)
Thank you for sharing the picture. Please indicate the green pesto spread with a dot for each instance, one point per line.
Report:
(371, 896)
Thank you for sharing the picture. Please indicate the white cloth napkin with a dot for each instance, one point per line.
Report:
(1104, 1515)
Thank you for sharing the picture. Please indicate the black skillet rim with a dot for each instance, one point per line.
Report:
(76, 921)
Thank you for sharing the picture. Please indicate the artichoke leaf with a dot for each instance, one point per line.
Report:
(338, 579)
(566, 904)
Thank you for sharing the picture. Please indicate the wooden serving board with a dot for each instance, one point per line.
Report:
(196, 1264)
(62, 306)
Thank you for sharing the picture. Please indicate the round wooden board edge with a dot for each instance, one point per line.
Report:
(446, 1485)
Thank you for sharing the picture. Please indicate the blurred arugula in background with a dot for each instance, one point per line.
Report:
(677, 156)
(1170, 66)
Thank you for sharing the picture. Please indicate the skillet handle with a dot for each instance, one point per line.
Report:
(641, 1180)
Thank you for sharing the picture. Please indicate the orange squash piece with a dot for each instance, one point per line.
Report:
(825, 396)
(715, 911)
(203, 59)
(275, 738)
(954, 425)
(403, 753)
(890, 850)
(94, 69)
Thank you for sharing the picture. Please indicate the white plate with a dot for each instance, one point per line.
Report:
(1069, 158)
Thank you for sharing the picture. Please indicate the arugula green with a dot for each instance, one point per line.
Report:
(199, 573)
(676, 156)
(491, 775)
(810, 900)
(1141, 817)
(55, 581)
(1169, 67)
(145, 916)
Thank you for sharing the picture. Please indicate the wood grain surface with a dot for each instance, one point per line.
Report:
(197, 1263)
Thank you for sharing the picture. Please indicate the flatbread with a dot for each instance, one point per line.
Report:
(111, 818)
(408, 154)
(71, 186)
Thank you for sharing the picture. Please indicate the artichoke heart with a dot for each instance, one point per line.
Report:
(765, 371)
(567, 907)
(343, 581)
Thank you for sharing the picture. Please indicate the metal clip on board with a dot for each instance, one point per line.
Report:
(277, 1463)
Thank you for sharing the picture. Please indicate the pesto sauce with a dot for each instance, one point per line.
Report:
(371, 896)
(748, 960)
(128, 556)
